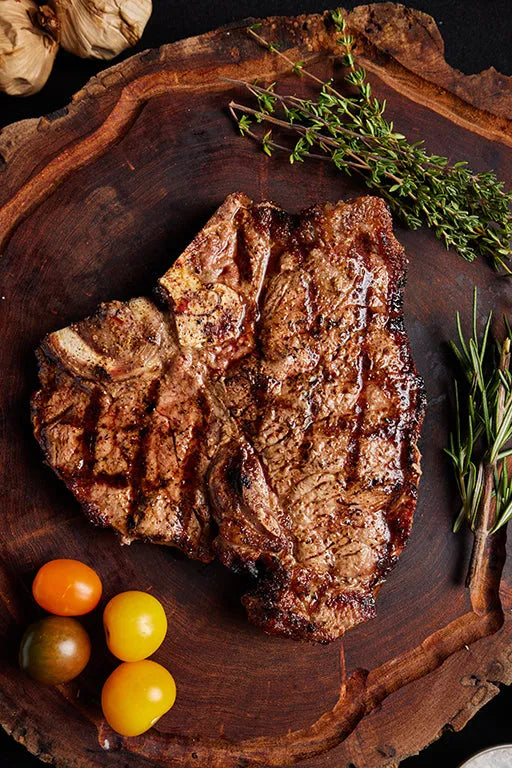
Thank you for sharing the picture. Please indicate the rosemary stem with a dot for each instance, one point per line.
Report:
(484, 525)
(504, 366)
(474, 575)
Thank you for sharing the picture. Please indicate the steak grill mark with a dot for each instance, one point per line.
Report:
(268, 415)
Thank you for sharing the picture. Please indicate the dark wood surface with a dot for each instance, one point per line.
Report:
(95, 203)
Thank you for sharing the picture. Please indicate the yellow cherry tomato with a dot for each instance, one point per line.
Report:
(67, 588)
(136, 695)
(135, 625)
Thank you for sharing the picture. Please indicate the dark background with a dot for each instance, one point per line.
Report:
(477, 34)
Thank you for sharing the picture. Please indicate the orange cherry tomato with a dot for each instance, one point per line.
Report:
(67, 588)
(136, 695)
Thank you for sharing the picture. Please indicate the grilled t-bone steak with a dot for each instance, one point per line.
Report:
(266, 411)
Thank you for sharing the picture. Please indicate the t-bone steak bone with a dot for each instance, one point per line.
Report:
(265, 412)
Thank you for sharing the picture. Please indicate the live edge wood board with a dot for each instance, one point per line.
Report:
(95, 203)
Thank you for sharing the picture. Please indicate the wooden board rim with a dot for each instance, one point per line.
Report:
(465, 105)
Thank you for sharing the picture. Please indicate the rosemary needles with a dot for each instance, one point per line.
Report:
(480, 446)
(469, 212)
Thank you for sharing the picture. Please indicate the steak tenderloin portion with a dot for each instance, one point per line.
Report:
(266, 412)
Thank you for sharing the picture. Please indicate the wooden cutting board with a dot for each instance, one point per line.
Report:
(95, 203)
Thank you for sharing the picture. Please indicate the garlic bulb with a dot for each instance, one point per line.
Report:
(27, 49)
(101, 28)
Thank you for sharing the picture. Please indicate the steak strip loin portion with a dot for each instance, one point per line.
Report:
(268, 414)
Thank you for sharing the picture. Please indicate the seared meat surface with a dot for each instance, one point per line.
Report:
(266, 411)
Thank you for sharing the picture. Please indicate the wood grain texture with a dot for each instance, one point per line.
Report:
(95, 203)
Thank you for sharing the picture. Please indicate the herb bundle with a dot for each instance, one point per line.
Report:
(469, 212)
(481, 443)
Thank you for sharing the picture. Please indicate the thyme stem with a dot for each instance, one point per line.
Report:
(469, 212)
(272, 47)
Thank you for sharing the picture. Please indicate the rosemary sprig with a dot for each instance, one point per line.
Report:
(481, 443)
(469, 212)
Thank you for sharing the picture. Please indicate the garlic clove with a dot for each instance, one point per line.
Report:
(101, 29)
(27, 48)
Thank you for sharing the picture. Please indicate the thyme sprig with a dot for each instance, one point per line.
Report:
(480, 446)
(469, 212)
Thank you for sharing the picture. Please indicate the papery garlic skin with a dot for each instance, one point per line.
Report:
(27, 52)
(101, 29)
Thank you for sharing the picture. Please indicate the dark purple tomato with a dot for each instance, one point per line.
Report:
(54, 650)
